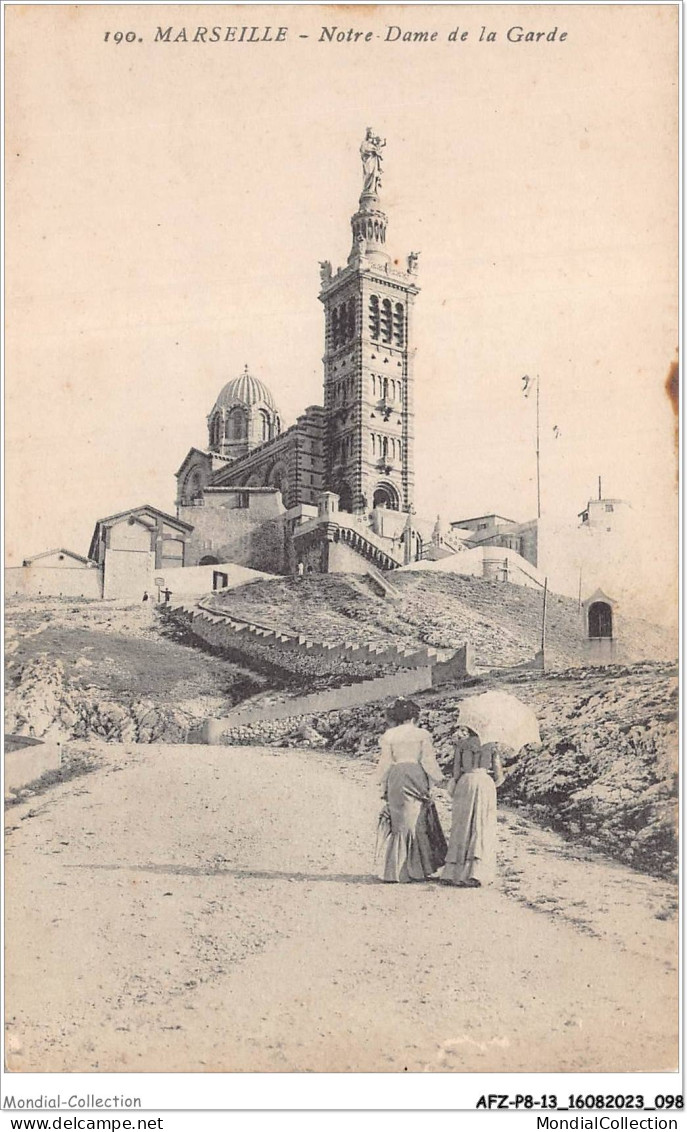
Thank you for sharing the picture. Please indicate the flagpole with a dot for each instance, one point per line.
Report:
(543, 623)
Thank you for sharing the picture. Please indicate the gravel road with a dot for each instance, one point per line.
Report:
(215, 908)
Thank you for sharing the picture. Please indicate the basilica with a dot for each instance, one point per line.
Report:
(334, 492)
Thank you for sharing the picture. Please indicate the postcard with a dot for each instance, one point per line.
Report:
(341, 540)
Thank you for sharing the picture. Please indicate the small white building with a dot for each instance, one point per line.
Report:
(54, 573)
(132, 546)
(604, 514)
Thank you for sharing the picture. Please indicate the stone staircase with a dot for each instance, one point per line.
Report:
(376, 672)
(369, 546)
(376, 581)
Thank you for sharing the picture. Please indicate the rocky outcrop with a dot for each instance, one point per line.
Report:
(34, 706)
(607, 770)
(44, 705)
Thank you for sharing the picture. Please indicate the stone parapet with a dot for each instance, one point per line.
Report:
(334, 699)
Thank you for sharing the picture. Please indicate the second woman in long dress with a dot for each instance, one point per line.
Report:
(471, 856)
(411, 842)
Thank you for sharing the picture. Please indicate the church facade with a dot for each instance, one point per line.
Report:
(256, 489)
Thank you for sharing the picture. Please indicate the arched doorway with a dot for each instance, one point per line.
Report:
(209, 560)
(600, 619)
(386, 496)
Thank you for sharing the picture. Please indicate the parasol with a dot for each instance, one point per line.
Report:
(498, 717)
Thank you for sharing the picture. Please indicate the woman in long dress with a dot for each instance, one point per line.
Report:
(411, 842)
(471, 856)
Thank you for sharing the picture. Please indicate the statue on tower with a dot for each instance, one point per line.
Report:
(371, 156)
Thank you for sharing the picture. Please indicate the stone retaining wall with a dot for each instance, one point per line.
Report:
(403, 683)
(297, 655)
(268, 651)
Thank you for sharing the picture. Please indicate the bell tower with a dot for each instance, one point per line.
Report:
(368, 359)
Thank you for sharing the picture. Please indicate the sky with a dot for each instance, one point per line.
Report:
(168, 203)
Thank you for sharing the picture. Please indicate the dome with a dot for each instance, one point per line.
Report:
(245, 390)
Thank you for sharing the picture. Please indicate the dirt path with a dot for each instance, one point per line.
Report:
(212, 908)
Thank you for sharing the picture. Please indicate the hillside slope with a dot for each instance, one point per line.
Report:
(605, 774)
(90, 668)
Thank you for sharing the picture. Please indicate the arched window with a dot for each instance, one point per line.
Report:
(399, 324)
(386, 496)
(374, 386)
(386, 320)
(600, 619)
(350, 322)
(277, 426)
(236, 426)
(344, 327)
(264, 419)
(335, 327)
(375, 321)
(215, 430)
